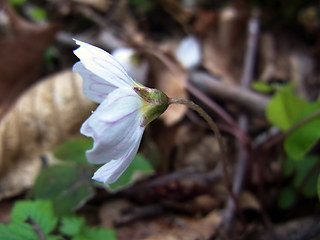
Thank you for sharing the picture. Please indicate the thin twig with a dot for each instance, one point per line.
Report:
(243, 121)
(213, 105)
(252, 102)
(175, 176)
(137, 213)
(35, 226)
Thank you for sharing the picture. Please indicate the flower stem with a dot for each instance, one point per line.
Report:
(215, 130)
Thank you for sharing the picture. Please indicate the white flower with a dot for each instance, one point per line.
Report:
(136, 67)
(126, 108)
(188, 52)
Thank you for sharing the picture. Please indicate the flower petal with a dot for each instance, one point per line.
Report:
(94, 87)
(103, 65)
(114, 125)
(111, 171)
(136, 67)
(189, 52)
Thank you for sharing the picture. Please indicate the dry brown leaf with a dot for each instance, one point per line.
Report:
(21, 178)
(176, 10)
(202, 156)
(205, 20)
(165, 140)
(284, 57)
(22, 46)
(164, 226)
(44, 116)
(249, 202)
(192, 229)
(5, 210)
(299, 229)
(224, 44)
(113, 209)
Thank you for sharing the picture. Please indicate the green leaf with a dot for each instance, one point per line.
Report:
(96, 233)
(74, 150)
(284, 107)
(67, 186)
(262, 87)
(302, 139)
(71, 225)
(38, 14)
(139, 166)
(289, 167)
(286, 198)
(302, 169)
(318, 186)
(40, 212)
(54, 237)
(17, 2)
(309, 189)
(17, 230)
(49, 55)
(304, 173)
(144, 5)
(284, 110)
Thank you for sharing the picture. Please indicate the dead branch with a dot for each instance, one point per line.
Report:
(249, 100)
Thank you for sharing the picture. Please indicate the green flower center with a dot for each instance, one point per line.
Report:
(155, 102)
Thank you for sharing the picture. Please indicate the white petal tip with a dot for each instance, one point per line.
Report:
(103, 179)
(189, 52)
(136, 67)
(78, 42)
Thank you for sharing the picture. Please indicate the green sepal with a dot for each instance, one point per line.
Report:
(155, 102)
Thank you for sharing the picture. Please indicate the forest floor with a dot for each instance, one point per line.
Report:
(252, 67)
